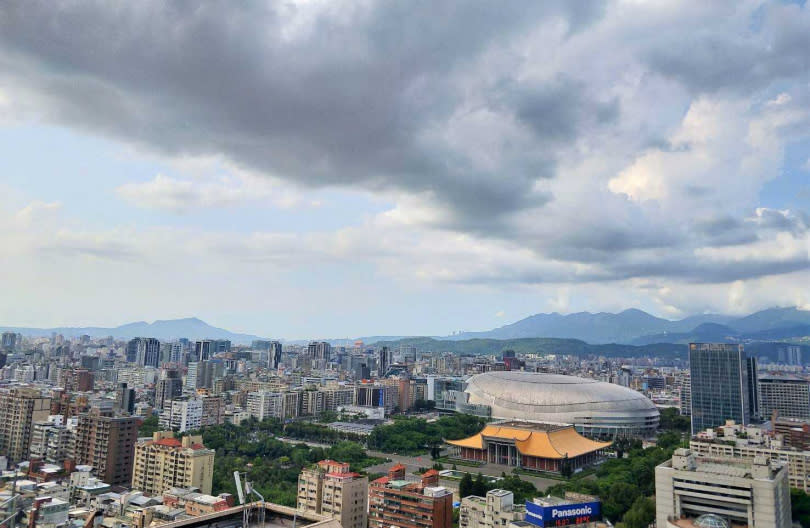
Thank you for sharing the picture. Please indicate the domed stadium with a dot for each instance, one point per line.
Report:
(594, 407)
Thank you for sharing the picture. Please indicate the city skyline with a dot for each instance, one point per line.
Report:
(364, 168)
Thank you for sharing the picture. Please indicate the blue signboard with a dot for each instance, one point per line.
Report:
(564, 514)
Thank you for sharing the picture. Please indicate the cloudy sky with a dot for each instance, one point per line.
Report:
(355, 167)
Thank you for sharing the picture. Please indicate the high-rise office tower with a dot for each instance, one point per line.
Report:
(164, 462)
(204, 349)
(208, 372)
(723, 385)
(274, 355)
(8, 340)
(108, 444)
(125, 402)
(132, 350)
(169, 387)
(20, 408)
(319, 350)
(788, 396)
(145, 351)
(383, 361)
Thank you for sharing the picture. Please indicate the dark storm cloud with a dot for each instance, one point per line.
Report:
(342, 103)
(771, 46)
(365, 96)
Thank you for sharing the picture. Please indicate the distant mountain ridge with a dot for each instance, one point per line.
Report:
(190, 327)
(637, 327)
(629, 327)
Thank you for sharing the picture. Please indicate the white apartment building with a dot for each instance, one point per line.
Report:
(182, 415)
(281, 405)
(730, 491)
(497, 509)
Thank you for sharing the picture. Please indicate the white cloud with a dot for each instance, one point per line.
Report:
(190, 194)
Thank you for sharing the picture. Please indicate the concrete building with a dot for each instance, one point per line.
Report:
(20, 408)
(145, 351)
(52, 441)
(688, 488)
(795, 432)
(280, 405)
(164, 462)
(182, 414)
(125, 400)
(395, 502)
(495, 510)
(329, 488)
(788, 396)
(169, 387)
(107, 443)
(747, 443)
(274, 355)
(723, 385)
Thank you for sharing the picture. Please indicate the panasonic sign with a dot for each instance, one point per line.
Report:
(563, 514)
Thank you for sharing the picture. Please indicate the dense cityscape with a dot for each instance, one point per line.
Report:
(144, 432)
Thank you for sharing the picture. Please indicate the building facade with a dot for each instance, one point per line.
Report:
(395, 502)
(755, 494)
(330, 488)
(20, 408)
(787, 396)
(164, 462)
(721, 383)
(107, 443)
(496, 510)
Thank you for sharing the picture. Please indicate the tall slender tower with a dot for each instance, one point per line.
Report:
(723, 385)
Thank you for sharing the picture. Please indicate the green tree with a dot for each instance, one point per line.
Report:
(800, 507)
(641, 514)
(618, 500)
(480, 487)
(149, 426)
(465, 487)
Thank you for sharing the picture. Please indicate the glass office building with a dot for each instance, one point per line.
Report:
(723, 385)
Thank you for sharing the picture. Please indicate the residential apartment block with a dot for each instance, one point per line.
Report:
(107, 443)
(397, 502)
(496, 510)
(164, 462)
(20, 408)
(330, 488)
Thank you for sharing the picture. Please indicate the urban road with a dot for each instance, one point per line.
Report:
(413, 463)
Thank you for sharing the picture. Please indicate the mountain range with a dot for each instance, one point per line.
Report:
(630, 327)
(636, 327)
(190, 327)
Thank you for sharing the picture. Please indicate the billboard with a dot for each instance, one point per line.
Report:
(563, 514)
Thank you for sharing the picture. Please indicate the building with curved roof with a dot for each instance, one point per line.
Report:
(530, 446)
(594, 407)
